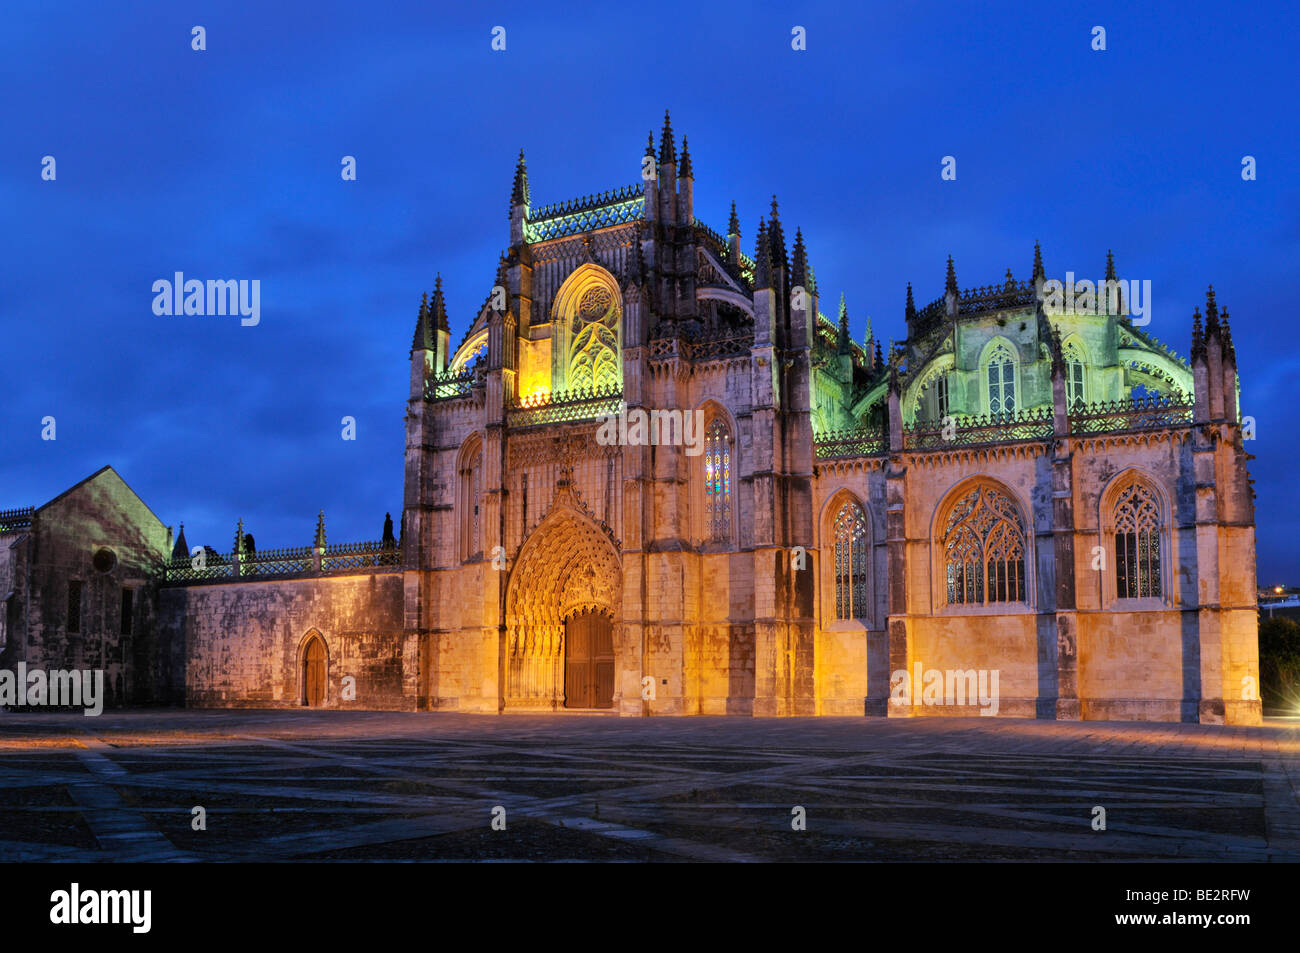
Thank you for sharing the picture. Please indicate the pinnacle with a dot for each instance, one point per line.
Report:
(667, 151)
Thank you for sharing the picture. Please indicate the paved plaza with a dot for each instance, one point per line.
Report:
(362, 786)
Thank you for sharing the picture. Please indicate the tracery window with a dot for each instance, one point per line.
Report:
(1137, 544)
(850, 535)
(593, 356)
(934, 407)
(1074, 386)
(984, 549)
(1002, 380)
(717, 479)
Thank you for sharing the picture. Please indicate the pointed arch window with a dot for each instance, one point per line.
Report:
(1075, 390)
(934, 407)
(717, 479)
(1137, 544)
(470, 502)
(589, 316)
(1001, 381)
(850, 535)
(984, 549)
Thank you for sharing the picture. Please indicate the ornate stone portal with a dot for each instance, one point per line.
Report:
(568, 565)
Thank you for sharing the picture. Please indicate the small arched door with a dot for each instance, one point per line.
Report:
(588, 660)
(313, 673)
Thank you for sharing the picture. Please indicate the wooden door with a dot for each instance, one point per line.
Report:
(589, 661)
(313, 674)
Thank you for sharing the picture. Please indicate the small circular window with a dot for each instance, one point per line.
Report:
(104, 560)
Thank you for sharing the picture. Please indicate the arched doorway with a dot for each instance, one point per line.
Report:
(313, 673)
(567, 568)
(589, 660)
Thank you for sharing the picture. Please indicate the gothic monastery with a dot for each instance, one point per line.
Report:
(1052, 496)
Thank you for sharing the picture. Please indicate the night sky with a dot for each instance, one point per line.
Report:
(225, 164)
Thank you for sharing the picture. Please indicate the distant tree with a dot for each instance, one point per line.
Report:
(388, 541)
(1279, 663)
(248, 544)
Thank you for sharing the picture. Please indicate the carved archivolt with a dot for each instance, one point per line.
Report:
(567, 564)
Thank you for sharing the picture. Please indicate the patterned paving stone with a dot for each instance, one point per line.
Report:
(335, 786)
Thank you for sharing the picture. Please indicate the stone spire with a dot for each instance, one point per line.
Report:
(1211, 314)
(438, 309)
(762, 258)
(880, 357)
(519, 194)
(388, 541)
(844, 327)
(423, 340)
(319, 541)
(799, 272)
(776, 236)
(1110, 281)
(667, 151)
(909, 310)
(1039, 273)
(650, 143)
(733, 223)
(950, 283)
(502, 275)
(684, 167)
(1009, 286)
(181, 550)
(239, 537)
(1198, 336)
(1229, 352)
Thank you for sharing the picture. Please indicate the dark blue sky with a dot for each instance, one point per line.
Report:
(225, 164)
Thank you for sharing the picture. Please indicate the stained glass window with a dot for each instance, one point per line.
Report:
(1137, 544)
(717, 479)
(850, 534)
(1002, 381)
(984, 549)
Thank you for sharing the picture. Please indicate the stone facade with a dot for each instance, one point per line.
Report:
(1045, 501)
(80, 579)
